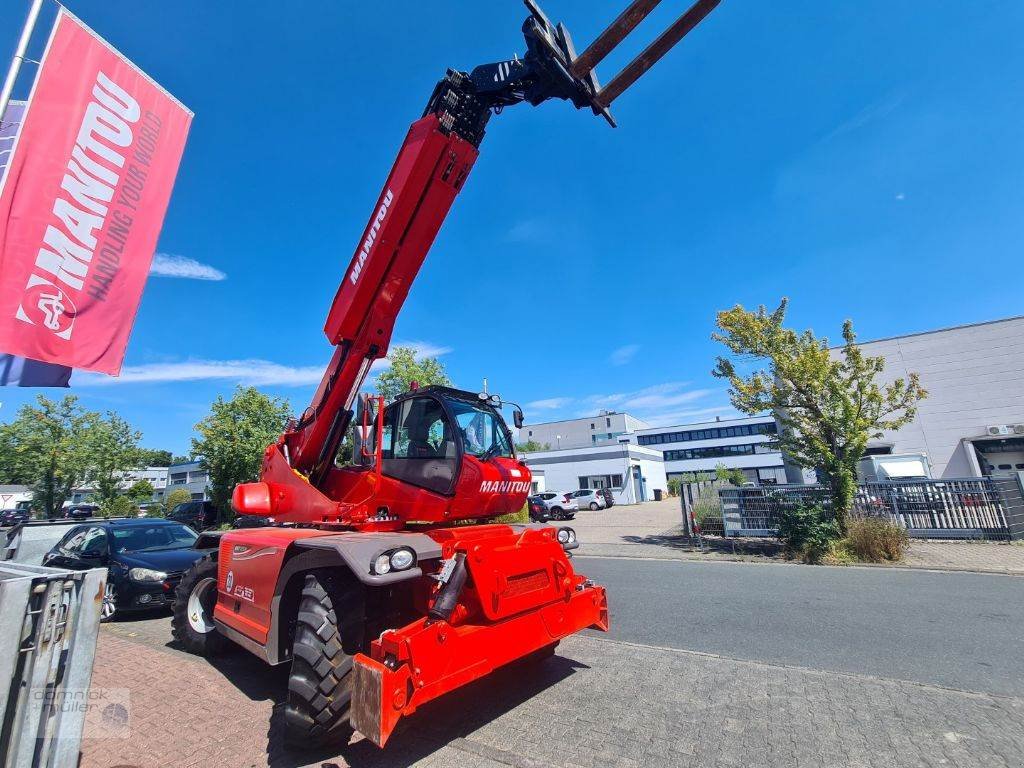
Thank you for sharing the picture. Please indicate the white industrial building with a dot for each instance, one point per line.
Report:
(741, 443)
(606, 427)
(972, 422)
(632, 472)
(189, 476)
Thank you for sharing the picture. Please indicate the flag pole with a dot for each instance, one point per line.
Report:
(19, 55)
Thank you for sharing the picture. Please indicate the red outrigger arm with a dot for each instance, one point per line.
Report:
(526, 596)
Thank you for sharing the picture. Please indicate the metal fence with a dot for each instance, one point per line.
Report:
(955, 508)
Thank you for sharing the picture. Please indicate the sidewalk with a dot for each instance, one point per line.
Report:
(597, 703)
(654, 529)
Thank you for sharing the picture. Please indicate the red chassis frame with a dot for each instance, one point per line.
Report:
(522, 595)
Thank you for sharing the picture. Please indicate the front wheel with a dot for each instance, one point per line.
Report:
(109, 607)
(192, 624)
(320, 682)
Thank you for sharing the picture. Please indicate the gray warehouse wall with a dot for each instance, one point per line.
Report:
(974, 376)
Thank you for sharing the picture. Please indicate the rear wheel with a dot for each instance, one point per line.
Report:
(594, 506)
(192, 624)
(320, 684)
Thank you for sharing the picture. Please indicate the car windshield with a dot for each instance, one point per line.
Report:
(482, 431)
(152, 538)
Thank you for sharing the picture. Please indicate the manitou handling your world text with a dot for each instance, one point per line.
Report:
(382, 578)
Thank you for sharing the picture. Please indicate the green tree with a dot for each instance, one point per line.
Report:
(141, 491)
(151, 457)
(828, 407)
(48, 447)
(532, 446)
(729, 475)
(405, 368)
(176, 497)
(114, 449)
(232, 440)
(119, 506)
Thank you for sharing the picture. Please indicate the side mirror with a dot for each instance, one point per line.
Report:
(517, 418)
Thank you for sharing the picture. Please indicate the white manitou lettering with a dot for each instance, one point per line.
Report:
(93, 173)
(503, 486)
(371, 238)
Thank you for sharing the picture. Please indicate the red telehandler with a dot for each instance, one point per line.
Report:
(369, 580)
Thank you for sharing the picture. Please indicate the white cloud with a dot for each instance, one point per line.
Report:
(549, 404)
(169, 265)
(526, 231)
(623, 355)
(255, 372)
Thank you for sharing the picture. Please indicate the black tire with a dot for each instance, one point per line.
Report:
(320, 682)
(556, 513)
(194, 598)
(594, 506)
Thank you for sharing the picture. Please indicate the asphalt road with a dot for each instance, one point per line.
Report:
(959, 630)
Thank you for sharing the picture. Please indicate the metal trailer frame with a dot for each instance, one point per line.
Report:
(49, 623)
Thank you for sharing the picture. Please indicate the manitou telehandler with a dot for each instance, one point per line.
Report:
(369, 580)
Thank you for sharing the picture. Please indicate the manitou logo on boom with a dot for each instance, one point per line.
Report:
(504, 486)
(371, 237)
(94, 172)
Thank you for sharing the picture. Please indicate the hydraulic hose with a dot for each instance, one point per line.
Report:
(450, 592)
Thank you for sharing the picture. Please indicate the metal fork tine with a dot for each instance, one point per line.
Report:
(614, 34)
(653, 52)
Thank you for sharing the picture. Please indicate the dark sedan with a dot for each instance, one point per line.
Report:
(145, 560)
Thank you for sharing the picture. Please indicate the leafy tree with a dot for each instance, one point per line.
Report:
(180, 460)
(405, 369)
(150, 457)
(828, 407)
(729, 475)
(48, 447)
(114, 448)
(232, 440)
(119, 506)
(176, 497)
(532, 446)
(141, 491)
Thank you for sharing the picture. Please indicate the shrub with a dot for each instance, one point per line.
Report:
(875, 540)
(176, 497)
(807, 532)
(707, 511)
(522, 516)
(119, 506)
(674, 486)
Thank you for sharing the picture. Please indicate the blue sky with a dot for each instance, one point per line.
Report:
(864, 159)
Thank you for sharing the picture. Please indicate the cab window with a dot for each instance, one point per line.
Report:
(418, 444)
(482, 433)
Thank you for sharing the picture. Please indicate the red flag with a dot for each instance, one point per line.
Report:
(83, 200)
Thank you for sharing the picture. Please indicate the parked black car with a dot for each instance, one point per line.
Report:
(10, 517)
(609, 497)
(80, 511)
(145, 560)
(199, 515)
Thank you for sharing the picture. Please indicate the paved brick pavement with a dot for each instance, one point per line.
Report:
(598, 703)
(653, 529)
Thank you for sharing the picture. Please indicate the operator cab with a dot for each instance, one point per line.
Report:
(428, 434)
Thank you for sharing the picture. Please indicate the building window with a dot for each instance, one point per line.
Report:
(716, 452)
(744, 430)
(608, 423)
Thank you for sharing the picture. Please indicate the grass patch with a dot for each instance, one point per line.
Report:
(522, 516)
(874, 540)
